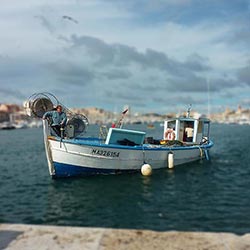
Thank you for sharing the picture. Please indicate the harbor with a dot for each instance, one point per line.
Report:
(127, 211)
(15, 116)
(196, 197)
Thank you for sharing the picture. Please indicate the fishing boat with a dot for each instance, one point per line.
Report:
(151, 126)
(7, 126)
(117, 150)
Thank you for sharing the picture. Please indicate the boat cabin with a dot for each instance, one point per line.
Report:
(186, 129)
(120, 136)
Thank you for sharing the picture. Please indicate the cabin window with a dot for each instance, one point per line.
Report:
(169, 130)
(206, 130)
(188, 131)
(200, 127)
(171, 125)
(199, 132)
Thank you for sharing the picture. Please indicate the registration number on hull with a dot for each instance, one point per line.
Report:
(105, 153)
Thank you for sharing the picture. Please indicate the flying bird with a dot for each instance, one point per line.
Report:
(70, 19)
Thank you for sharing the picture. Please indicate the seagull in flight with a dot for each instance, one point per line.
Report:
(70, 18)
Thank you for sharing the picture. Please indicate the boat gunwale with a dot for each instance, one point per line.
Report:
(145, 147)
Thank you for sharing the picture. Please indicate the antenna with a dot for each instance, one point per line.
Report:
(188, 110)
(208, 98)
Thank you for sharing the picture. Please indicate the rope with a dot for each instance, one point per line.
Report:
(103, 132)
(201, 152)
(143, 155)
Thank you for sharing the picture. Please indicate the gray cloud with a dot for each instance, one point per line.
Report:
(238, 34)
(13, 94)
(246, 102)
(221, 84)
(114, 74)
(190, 83)
(120, 73)
(182, 100)
(122, 55)
(46, 23)
(94, 47)
(131, 76)
(71, 73)
(244, 75)
(197, 63)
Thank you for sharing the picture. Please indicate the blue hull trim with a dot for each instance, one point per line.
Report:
(94, 142)
(67, 170)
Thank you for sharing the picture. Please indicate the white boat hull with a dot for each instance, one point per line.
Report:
(83, 157)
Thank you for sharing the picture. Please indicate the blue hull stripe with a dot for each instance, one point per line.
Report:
(67, 170)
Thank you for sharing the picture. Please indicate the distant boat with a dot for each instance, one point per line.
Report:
(151, 126)
(120, 150)
(7, 126)
(137, 122)
(21, 125)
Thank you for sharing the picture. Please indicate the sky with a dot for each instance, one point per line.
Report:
(153, 55)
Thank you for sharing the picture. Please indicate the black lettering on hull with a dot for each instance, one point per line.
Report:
(105, 153)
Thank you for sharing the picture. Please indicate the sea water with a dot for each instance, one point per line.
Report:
(210, 196)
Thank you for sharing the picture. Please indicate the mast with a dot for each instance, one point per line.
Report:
(208, 98)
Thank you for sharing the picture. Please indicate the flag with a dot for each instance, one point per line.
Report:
(125, 111)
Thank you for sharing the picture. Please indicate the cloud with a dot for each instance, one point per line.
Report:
(182, 100)
(246, 102)
(244, 75)
(123, 55)
(46, 23)
(117, 73)
(14, 95)
(111, 59)
(71, 73)
(197, 63)
(114, 74)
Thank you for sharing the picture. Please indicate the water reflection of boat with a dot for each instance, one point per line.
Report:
(184, 139)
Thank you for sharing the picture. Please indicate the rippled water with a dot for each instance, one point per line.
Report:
(202, 196)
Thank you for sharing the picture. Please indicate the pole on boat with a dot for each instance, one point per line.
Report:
(207, 154)
(62, 132)
(189, 110)
(170, 160)
(119, 124)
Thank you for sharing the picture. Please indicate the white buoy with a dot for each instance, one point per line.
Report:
(146, 170)
(170, 160)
